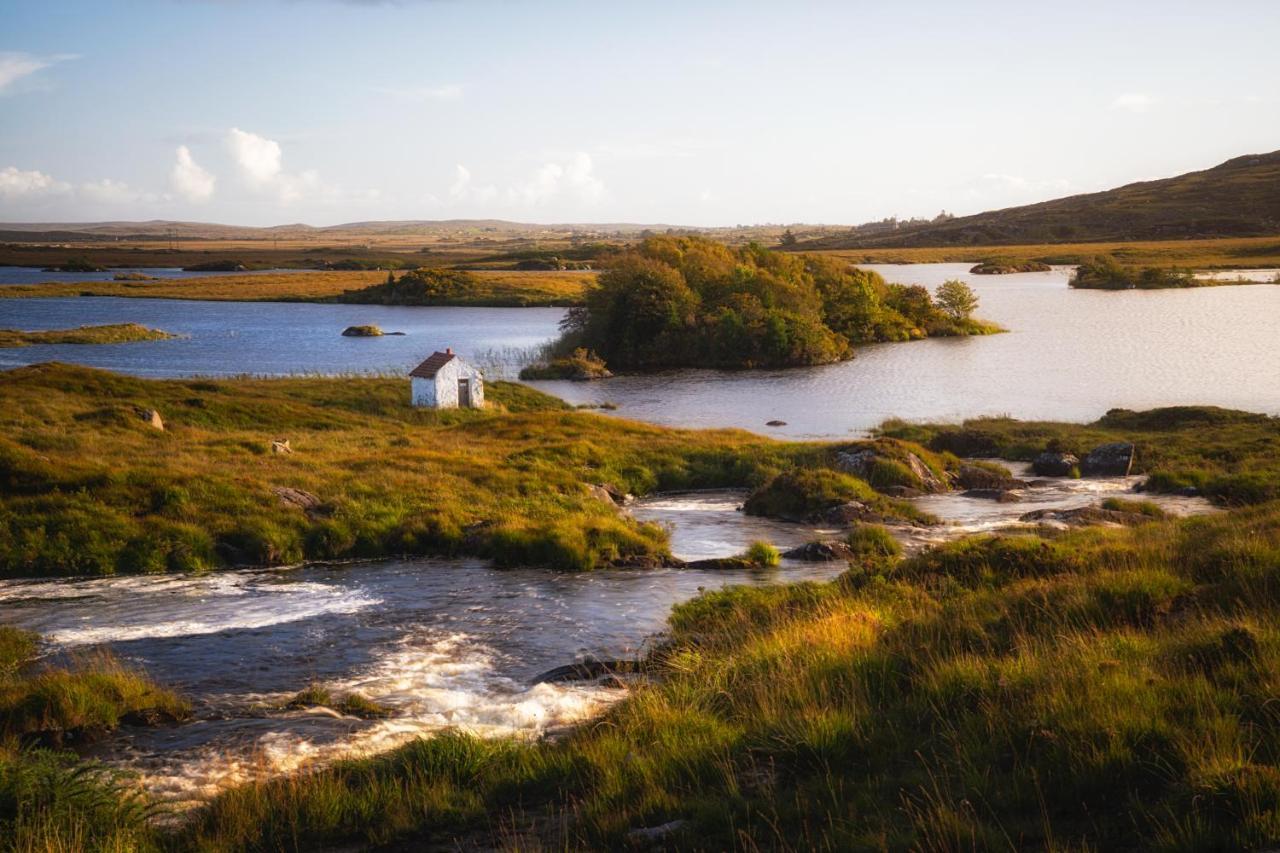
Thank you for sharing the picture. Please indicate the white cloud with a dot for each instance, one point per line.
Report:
(573, 178)
(15, 65)
(26, 183)
(260, 159)
(261, 163)
(189, 179)
(1135, 102)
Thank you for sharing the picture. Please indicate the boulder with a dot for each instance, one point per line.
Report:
(588, 669)
(1052, 464)
(860, 463)
(305, 501)
(609, 494)
(976, 477)
(151, 418)
(1108, 460)
(655, 835)
(1085, 516)
(280, 445)
(362, 332)
(842, 515)
(820, 552)
(1003, 496)
(903, 492)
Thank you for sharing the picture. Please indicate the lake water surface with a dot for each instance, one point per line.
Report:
(1069, 354)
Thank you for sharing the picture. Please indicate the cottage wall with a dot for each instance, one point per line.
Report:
(441, 392)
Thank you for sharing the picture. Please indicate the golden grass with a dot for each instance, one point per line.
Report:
(117, 333)
(533, 286)
(1218, 253)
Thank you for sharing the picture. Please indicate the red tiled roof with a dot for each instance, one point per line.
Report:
(428, 368)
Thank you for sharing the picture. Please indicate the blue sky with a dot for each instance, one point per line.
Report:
(693, 113)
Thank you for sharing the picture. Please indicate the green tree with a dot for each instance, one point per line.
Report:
(788, 239)
(956, 299)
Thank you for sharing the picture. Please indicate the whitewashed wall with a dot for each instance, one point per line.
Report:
(442, 392)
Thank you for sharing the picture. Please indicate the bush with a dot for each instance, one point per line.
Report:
(762, 554)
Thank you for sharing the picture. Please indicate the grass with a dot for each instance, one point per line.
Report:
(493, 287)
(353, 703)
(1214, 253)
(51, 800)
(760, 553)
(88, 488)
(1232, 457)
(1106, 688)
(117, 333)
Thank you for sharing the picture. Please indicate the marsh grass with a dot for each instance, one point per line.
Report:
(1232, 457)
(86, 488)
(117, 333)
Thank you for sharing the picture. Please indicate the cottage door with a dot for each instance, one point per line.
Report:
(464, 393)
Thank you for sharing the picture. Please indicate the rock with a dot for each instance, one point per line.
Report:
(655, 834)
(280, 445)
(1003, 496)
(861, 462)
(845, 514)
(611, 494)
(1051, 464)
(903, 492)
(820, 552)
(362, 332)
(152, 418)
(775, 423)
(305, 501)
(588, 669)
(1085, 516)
(721, 564)
(976, 477)
(1108, 460)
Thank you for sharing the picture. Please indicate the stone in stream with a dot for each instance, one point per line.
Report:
(1085, 516)
(860, 463)
(847, 513)
(977, 477)
(1053, 464)
(589, 669)
(1003, 496)
(826, 551)
(1108, 460)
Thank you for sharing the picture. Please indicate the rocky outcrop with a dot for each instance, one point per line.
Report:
(305, 501)
(609, 494)
(978, 477)
(1054, 464)
(820, 552)
(362, 332)
(861, 462)
(588, 669)
(1086, 516)
(151, 418)
(842, 515)
(1108, 460)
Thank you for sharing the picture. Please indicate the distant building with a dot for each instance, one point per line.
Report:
(445, 381)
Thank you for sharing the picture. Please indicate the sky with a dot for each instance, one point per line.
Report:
(262, 112)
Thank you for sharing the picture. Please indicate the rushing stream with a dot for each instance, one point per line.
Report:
(442, 643)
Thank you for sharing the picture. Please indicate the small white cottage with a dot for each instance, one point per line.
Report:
(445, 381)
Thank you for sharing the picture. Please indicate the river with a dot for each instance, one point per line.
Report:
(441, 643)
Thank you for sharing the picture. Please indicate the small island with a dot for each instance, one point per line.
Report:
(117, 333)
(692, 302)
(1106, 273)
(362, 332)
(1004, 266)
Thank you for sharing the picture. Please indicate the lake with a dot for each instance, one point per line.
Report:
(38, 275)
(1069, 354)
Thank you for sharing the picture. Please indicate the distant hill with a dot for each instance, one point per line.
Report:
(1240, 198)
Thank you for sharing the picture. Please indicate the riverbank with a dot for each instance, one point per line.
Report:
(275, 471)
(118, 333)
(495, 288)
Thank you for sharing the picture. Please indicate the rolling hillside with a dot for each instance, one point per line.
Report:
(1239, 198)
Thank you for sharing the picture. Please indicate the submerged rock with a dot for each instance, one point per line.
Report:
(1053, 464)
(588, 669)
(1108, 460)
(1003, 496)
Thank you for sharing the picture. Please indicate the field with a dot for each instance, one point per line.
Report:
(1220, 253)
(497, 287)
